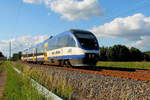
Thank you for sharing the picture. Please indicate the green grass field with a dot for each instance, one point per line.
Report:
(139, 65)
(19, 87)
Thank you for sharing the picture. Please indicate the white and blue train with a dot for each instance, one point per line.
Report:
(71, 48)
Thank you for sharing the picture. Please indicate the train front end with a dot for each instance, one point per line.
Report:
(88, 47)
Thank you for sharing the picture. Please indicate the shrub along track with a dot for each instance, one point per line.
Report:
(143, 75)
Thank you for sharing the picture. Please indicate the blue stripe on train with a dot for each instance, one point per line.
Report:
(40, 59)
(68, 57)
(63, 57)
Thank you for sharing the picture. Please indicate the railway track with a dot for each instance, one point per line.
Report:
(136, 74)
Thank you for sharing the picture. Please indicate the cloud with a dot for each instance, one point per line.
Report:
(131, 27)
(72, 9)
(33, 1)
(135, 28)
(20, 43)
(143, 44)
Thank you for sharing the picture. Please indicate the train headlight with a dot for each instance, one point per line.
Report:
(89, 55)
(93, 55)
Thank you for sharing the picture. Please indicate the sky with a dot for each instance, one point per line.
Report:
(28, 22)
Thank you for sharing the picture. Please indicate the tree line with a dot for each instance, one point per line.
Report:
(2, 57)
(1, 54)
(15, 57)
(123, 53)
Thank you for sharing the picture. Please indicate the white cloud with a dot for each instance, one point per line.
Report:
(131, 28)
(33, 1)
(73, 9)
(21, 43)
(143, 44)
(135, 28)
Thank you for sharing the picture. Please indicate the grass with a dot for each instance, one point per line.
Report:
(19, 87)
(139, 65)
(1, 67)
(51, 81)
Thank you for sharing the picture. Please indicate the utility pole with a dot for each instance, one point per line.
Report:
(10, 50)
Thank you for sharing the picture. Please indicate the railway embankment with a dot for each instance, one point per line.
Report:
(18, 87)
(85, 86)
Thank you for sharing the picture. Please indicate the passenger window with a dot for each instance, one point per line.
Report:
(51, 44)
(65, 41)
(60, 42)
(71, 42)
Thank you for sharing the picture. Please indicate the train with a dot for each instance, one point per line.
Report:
(70, 48)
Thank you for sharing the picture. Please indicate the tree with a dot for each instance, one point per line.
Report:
(16, 56)
(118, 53)
(122, 53)
(136, 54)
(103, 52)
(1, 54)
(147, 56)
(2, 57)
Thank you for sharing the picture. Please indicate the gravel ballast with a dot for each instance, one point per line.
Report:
(99, 87)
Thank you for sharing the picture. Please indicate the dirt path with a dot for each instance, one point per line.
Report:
(2, 83)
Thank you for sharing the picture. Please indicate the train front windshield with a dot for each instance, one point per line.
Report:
(87, 40)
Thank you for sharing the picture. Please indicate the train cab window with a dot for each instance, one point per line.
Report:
(85, 36)
(87, 40)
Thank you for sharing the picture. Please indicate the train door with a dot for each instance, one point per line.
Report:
(45, 52)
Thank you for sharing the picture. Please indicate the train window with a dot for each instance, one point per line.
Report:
(71, 42)
(51, 44)
(85, 35)
(30, 52)
(55, 44)
(40, 49)
(66, 41)
(60, 42)
(87, 40)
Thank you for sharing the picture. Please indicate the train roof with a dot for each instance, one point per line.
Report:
(71, 31)
(77, 30)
